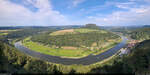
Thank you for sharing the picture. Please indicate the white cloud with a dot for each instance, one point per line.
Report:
(126, 5)
(12, 13)
(76, 2)
(135, 16)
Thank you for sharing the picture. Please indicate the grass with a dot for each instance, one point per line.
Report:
(10, 30)
(86, 68)
(6, 32)
(63, 32)
(3, 33)
(113, 44)
(75, 31)
(55, 52)
(71, 53)
(84, 30)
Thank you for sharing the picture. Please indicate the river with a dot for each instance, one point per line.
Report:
(91, 59)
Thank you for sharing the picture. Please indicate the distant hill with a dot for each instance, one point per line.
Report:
(141, 34)
(146, 26)
(8, 28)
(91, 26)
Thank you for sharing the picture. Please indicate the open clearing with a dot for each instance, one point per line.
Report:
(10, 30)
(75, 31)
(3, 33)
(62, 32)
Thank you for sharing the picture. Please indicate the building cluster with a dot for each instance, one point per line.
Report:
(128, 47)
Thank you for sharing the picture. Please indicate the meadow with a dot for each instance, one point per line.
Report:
(53, 51)
(3, 34)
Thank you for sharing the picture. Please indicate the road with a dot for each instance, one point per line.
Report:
(91, 59)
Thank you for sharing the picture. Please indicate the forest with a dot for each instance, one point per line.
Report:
(141, 33)
(13, 61)
(137, 62)
(76, 40)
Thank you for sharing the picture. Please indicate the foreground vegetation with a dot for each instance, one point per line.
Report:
(13, 61)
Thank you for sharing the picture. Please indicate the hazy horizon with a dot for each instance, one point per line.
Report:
(74, 12)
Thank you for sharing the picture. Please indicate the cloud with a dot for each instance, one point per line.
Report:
(12, 13)
(17, 14)
(126, 5)
(76, 2)
(135, 16)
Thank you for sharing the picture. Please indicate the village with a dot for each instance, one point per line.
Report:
(127, 49)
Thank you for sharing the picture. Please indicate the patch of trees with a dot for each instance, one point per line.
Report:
(139, 59)
(91, 26)
(141, 34)
(76, 40)
(13, 61)
(118, 67)
(26, 32)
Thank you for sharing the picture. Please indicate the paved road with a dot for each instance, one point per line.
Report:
(69, 61)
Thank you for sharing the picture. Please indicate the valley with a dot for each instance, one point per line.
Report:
(52, 46)
(69, 37)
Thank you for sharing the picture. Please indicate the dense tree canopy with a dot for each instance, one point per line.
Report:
(13, 61)
(76, 40)
(91, 26)
(137, 62)
(141, 34)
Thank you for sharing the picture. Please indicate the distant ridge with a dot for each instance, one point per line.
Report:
(146, 26)
(91, 26)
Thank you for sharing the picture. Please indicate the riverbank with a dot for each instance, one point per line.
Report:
(91, 59)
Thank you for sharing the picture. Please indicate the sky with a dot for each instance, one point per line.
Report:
(74, 12)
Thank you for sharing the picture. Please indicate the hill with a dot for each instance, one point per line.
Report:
(140, 34)
(91, 26)
(73, 42)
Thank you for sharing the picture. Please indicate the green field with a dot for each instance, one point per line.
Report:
(84, 30)
(6, 32)
(3, 33)
(56, 52)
